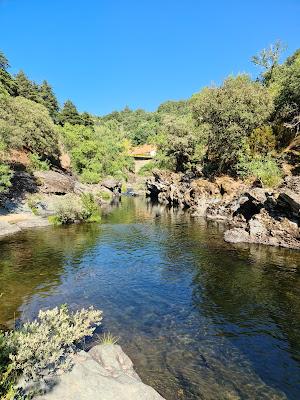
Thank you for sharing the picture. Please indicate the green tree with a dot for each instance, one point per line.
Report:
(180, 107)
(69, 114)
(24, 123)
(286, 86)
(86, 119)
(97, 152)
(232, 111)
(138, 126)
(4, 64)
(48, 99)
(5, 183)
(181, 138)
(268, 59)
(26, 88)
(7, 83)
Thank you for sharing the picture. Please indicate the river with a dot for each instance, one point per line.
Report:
(200, 318)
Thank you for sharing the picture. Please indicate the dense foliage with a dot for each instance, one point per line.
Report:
(240, 127)
(96, 152)
(232, 112)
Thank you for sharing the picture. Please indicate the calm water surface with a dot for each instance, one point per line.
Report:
(201, 319)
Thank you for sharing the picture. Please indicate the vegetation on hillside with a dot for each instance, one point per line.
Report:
(240, 127)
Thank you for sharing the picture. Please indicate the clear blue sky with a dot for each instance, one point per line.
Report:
(105, 54)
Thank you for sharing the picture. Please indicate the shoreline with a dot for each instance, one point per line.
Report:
(252, 213)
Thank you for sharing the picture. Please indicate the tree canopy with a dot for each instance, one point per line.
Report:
(232, 111)
(239, 127)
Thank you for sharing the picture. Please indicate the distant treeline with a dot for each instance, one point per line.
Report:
(240, 127)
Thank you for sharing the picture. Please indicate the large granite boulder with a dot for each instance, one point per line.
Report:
(53, 182)
(104, 373)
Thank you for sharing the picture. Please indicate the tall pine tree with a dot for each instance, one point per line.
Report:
(69, 114)
(86, 119)
(48, 99)
(6, 80)
(27, 88)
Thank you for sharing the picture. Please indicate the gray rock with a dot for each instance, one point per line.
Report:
(263, 229)
(257, 228)
(112, 184)
(236, 235)
(104, 373)
(7, 229)
(33, 222)
(54, 182)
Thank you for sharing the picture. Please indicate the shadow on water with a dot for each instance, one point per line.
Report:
(200, 318)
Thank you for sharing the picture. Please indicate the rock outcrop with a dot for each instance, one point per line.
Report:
(112, 184)
(53, 182)
(104, 373)
(254, 214)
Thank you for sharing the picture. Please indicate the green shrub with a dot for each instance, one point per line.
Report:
(32, 202)
(71, 208)
(44, 346)
(147, 168)
(5, 177)
(90, 207)
(105, 195)
(68, 209)
(36, 164)
(262, 140)
(90, 176)
(263, 168)
(7, 377)
(54, 220)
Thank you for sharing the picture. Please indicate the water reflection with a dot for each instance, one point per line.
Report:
(34, 261)
(201, 319)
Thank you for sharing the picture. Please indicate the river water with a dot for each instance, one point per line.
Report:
(200, 318)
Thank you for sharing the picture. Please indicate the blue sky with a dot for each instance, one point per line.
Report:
(105, 55)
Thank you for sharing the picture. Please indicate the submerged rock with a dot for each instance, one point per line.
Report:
(104, 373)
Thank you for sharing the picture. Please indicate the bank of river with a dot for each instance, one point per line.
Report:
(200, 318)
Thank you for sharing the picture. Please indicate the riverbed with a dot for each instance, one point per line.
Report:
(200, 318)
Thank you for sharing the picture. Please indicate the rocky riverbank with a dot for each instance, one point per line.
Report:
(103, 373)
(32, 198)
(253, 214)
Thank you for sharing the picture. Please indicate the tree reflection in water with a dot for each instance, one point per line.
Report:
(202, 319)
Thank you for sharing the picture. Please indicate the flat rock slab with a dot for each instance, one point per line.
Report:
(33, 222)
(18, 222)
(7, 229)
(104, 373)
